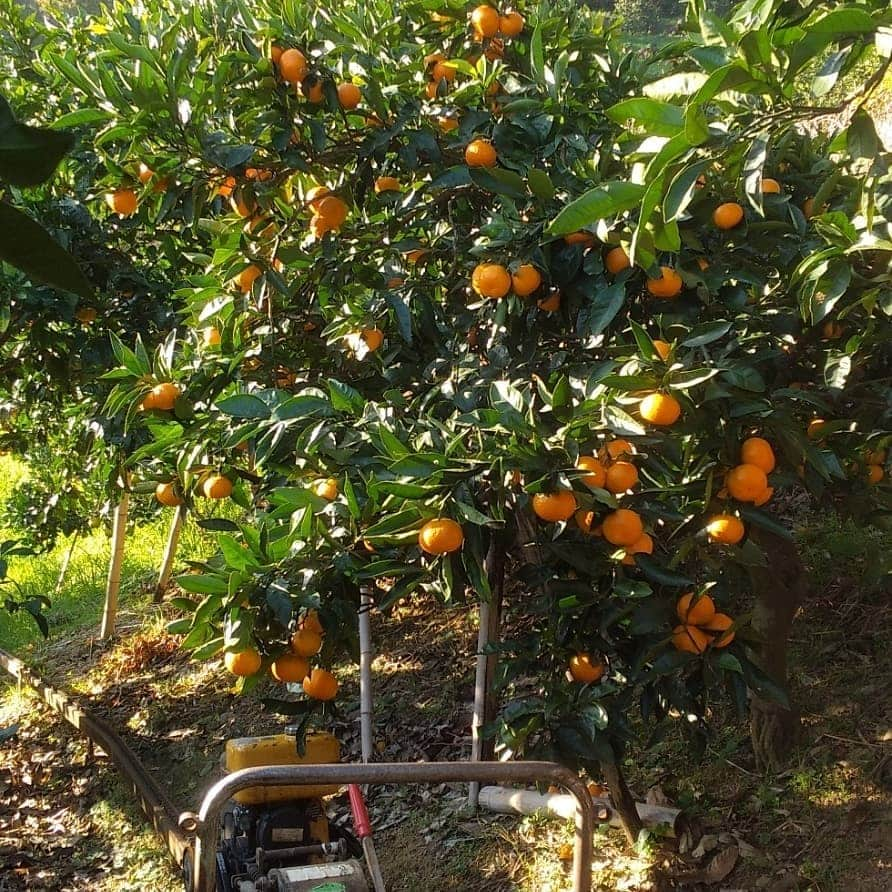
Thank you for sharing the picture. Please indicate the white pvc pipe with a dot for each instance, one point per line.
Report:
(113, 587)
(508, 801)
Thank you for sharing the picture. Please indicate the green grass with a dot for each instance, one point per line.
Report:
(78, 604)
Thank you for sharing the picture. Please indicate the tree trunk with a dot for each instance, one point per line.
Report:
(623, 800)
(779, 588)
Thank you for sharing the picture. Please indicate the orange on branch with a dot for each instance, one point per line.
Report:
(167, 495)
(720, 623)
(621, 476)
(485, 22)
(690, 639)
(623, 527)
(122, 201)
(289, 668)
(526, 280)
(725, 529)
(480, 153)
(511, 24)
(442, 535)
(293, 66)
(669, 284)
(491, 280)
(728, 215)
(306, 642)
(554, 507)
(349, 96)
(216, 486)
(243, 663)
(616, 260)
(757, 451)
(597, 473)
(746, 482)
(586, 670)
(661, 409)
(695, 612)
(321, 685)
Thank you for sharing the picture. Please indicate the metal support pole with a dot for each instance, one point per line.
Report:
(365, 672)
(206, 823)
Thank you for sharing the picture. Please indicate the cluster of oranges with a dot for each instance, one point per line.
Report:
(701, 626)
(293, 666)
(492, 280)
(294, 68)
(875, 461)
(329, 211)
(486, 23)
(211, 486)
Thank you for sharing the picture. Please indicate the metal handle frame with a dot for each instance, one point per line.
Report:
(206, 823)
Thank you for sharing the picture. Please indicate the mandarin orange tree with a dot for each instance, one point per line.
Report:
(478, 303)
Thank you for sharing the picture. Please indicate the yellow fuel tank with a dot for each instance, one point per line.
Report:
(280, 749)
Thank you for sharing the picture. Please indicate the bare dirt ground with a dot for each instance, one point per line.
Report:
(824, 824)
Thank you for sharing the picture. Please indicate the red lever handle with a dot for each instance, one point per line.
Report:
(361, 822)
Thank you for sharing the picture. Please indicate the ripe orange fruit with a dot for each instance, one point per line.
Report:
(311, 621)
(247, 277)
(623, 527)
(584, 670)
(349, 96)
(875, 473)
(289, 668)
(485, 22)
(373, 338)
(579, 238)
(554, 507)
(144, 173)
(292, 66)
(326, 488)
(167, 495)
(306, 642)
(757, 451)
(727, 215)
(164, 396)
(122, 201)
(770, 186)
(442, 535)
(621, 476)
(765, 497)
(830, 330)
(332, 211)
(644, 545)
(669, 284)
(216, 486)
(550, 304)
(386, 184)
(721, 622)
(211, 336)
(617, 449)
(746, 482)
(85, 315)
(314, 196)
(725, 528)
(663, 349)
(695, 613)
(526, 280)
(432, 89)
(616, 260)
(597, 474)
(442, 71)
(275, 53)
(511, 24)
(875, 457)
(480, 153)
(584, 520)
(243, 663)
(690, 639)
(311, 87)
(660, 408)
(491, 280)
(447, 124)
(225, 189)
(321, 685)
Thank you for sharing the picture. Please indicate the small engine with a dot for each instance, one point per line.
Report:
(279, 839)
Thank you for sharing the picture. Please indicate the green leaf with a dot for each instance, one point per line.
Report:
(500, 181)
(706, 333)
(540, 184)
(26, 245)
(681, 190)
(656, 572)
(28, 155)
(202, 584)
(345, 398)
(596, 315)
(658, 118)
(696, 126)
(603, 201)
(243, 405)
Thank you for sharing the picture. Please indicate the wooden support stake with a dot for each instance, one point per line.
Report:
(110, 612)
(170, 552)
(66, 561)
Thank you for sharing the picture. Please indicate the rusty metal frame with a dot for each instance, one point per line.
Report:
(205, 824)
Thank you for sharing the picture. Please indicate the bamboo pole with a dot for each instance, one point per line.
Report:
(63, 570)
(170, 551)
(477, 718)
(110, 612)
(365, 672)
